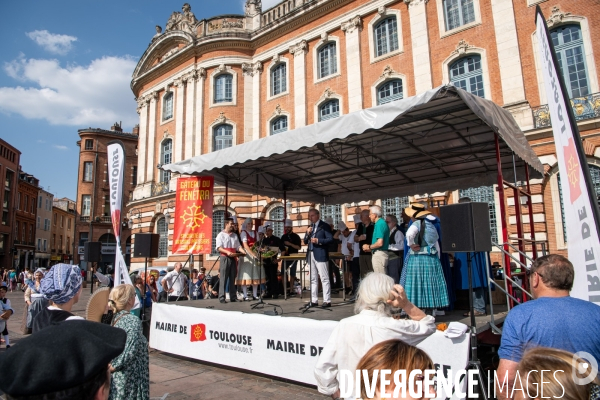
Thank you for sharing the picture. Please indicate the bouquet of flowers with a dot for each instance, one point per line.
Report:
(266, 252)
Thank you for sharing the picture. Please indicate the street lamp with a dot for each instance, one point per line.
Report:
(167, 213)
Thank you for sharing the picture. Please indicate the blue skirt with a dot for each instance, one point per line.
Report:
(424, 281)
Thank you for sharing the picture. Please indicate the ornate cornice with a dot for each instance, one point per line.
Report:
(387, 72)
(352, 24)
(251, 69)
(461, 47)
(556, 17)
(327, 94)
(299, 49)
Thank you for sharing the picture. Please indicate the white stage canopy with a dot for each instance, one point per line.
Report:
(443, 139)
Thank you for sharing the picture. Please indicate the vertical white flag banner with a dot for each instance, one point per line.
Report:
(116, 167)
(582, 233)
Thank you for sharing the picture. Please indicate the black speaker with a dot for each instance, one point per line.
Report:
(146, 245)
(466, 227)
(92, 251)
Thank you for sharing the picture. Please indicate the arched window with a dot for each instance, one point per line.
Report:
(386, 36)
(329, 110)
(218, 224)
(595, 173)
(279, 125)
(163, 237)
(484, 194)
(458, 13)
(394, 206)
(223, 136)
(327, 60)
(276, 216)
(568, 44)
(167, 111)
(466, 74)
(278, 83)
(332, 210)
(107, 238)
(223, 88)
(389, 91)
(166, 157)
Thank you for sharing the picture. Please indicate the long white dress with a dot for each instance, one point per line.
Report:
(249, 272)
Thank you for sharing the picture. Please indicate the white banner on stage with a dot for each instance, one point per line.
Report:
(582, 235)
(285, 347)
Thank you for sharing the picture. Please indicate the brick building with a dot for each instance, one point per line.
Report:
(43, 234)
(203, 85)
(9, 169)
(62, 231)
(93, 221)
(25, 220)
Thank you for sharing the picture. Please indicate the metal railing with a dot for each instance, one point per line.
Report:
(509, 297)
(159, 188)
(584, 107)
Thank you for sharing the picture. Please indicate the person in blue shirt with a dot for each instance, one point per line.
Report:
(554, 319)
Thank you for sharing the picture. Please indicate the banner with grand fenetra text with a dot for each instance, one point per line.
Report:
(192, 231)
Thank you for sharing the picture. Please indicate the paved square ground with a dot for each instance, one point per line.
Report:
(175, 378)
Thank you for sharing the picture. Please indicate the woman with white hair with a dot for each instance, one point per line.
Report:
(373, 323)
(249, 272)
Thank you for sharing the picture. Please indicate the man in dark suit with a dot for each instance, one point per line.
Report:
(318, 236)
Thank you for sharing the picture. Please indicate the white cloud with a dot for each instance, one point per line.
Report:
(94, 95)
(57, 44)
(41, 141)
(60, 147)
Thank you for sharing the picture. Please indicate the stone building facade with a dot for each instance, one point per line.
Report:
(43, 234)
(9, 174)
(62, 231)
(203, 85)
(93, 221)
(25, 220)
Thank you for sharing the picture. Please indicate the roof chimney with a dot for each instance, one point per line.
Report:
(116, 127)
(136, 130)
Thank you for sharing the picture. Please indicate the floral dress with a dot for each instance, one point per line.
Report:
(130, 381)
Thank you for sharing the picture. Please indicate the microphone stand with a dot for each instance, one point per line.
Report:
(260, 301)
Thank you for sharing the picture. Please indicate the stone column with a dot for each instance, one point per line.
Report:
(352, 29)
(509, 59)
(142, 110)
(248, 74)
(190, 87)
(199, 128)
(151, 165)
(420, 45)
(299, 51)
(257, 67)
(179, 108)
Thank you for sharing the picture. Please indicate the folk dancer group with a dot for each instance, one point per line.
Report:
(408, 252)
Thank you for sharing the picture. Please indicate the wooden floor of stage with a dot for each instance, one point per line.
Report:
(339, 309)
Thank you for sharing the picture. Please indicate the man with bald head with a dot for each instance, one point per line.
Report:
(175, 284)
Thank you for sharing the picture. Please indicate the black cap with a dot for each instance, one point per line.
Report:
(59, 357)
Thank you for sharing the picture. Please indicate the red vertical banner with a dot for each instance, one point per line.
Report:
(192, 233)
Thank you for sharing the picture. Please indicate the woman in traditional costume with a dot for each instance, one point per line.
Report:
(34, 298)
(425, 284)
(250, 272)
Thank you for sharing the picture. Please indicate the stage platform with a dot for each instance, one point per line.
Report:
(339, 309)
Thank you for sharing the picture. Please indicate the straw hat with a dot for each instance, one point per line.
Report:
(416, 210)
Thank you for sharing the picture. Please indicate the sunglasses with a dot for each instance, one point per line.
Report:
(529, 273)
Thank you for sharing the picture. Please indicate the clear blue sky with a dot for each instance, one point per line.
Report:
(67, 65)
